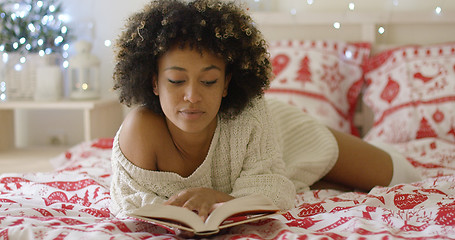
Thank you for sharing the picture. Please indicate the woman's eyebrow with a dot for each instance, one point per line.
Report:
(210, 68)
(184, 70)
(175, 68)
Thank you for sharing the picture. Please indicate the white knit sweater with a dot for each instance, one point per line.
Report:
(245, 157)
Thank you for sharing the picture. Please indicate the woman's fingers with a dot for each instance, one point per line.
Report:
(179, 199)
(201, 208)
(200, 200)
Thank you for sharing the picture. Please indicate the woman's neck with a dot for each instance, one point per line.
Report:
(192, 146)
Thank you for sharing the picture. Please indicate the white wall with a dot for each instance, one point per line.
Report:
(107, 18)
(302, 6)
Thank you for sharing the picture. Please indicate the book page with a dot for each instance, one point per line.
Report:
(165, 213)
(248, 205)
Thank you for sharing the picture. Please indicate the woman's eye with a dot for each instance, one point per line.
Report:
(175, 81)
(208, 83)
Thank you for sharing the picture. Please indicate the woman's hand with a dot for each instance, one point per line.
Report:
(200, 200)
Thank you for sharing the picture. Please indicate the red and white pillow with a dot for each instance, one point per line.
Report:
(411, 91)
(323, 78)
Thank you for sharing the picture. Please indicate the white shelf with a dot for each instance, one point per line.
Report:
(62, 104)
(101, 117)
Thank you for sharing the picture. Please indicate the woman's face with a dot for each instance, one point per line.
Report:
(190, 86)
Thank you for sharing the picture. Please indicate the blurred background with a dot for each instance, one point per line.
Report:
(99, 22)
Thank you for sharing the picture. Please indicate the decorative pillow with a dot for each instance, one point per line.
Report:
(323, 78)
(411, 91)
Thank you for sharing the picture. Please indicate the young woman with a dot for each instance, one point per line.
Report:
(201, 132)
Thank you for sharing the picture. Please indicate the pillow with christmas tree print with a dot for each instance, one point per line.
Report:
(322, 78)
(411, 91)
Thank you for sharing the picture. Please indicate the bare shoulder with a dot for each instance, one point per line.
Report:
(140, 135)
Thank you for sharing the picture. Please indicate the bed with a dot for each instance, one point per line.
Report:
(409, 91)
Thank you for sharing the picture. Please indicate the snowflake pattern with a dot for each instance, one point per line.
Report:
(332, 76)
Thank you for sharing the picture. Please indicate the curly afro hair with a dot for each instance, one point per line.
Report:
(220, 27)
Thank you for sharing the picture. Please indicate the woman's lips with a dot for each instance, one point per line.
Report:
(191, 114)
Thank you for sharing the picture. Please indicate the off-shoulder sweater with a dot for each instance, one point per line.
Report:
(271, 148)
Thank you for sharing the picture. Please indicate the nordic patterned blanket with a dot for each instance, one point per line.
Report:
(72, 203)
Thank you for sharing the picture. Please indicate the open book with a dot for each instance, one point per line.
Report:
(234, 212)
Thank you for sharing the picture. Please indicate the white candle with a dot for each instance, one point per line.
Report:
(48, 83)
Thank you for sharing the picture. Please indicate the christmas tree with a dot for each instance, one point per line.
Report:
(304, 73)
(35, 26)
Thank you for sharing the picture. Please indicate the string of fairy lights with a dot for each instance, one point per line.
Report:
(350, 7)
(381, 29)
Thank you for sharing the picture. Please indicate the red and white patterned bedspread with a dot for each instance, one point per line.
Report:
(72, 203)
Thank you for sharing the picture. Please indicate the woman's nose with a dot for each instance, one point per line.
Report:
(192, 93)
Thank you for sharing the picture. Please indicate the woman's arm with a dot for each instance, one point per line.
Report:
(262, 169)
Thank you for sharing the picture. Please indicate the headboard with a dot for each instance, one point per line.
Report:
(399, 29)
